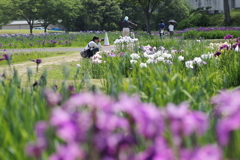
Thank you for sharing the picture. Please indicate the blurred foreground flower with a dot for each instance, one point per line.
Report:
(52, 97)
(228, 109)
(121, 129)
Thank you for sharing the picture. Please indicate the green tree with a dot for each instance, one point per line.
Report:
(148, 7)
(68, 11)
(173, 9)
(135, 14)
(26, 9)
(5, 12)
(47, 12)
(108, 12)
(88, 16)
(188, 4)
(99, 15)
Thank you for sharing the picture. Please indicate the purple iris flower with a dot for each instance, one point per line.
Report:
(211, 151)
(224, 46)
(36, 149)
(52, 97)
(121, 54)
(70, 151)
(40, 128)
(217, 54)
(237, 44)
(38, 61)
(6, 57)
(111, 54)
(36, 83)
(228, 36)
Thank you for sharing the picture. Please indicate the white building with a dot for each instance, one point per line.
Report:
(22, 24)
(217, 5)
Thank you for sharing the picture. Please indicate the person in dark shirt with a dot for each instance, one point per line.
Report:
(161, 27)
(125, 25)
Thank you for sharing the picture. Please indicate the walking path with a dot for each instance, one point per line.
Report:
(27, 50)
(22, 67)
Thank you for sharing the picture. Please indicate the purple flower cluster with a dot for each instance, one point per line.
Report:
(149, 49)
(228, 36)
(111, 54)
(211, 29)
(46, 37)
(95, 32)
(52, 41)
(226, 47)
(126, 129)
(228, 110)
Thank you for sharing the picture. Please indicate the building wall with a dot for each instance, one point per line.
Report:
(237, 3)
(21, 26)
(215, 4)
(26, 26)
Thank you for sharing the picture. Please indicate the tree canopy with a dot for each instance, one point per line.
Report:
(93, 14)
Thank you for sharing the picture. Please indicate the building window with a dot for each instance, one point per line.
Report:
(196, 1)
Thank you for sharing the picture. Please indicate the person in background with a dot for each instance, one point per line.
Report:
(93, 46)
(171, 29)
(161, 27)
(125, 25)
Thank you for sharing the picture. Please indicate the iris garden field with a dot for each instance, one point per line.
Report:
(149, 99)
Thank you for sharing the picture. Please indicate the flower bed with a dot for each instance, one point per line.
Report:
(209, 33)
(162, 102)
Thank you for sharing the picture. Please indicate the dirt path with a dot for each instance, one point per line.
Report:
(22, 67)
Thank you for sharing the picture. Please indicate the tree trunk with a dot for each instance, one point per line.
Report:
(45, 27)
(120, 24)
(227, 18)
(148, 22)
(31, 28)
(102, 26)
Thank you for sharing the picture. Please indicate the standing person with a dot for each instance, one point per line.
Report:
(161, 27)
(125, 25)
(93, 47)
(171, 29)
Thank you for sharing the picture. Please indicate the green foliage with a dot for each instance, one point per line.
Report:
(172, 9)
(68, 11)
(5, 12)
(108, 13)
(48, 12)
(218, 19)
(198, 17)
(210, 34)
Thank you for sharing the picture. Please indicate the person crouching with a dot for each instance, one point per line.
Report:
(93, 46)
